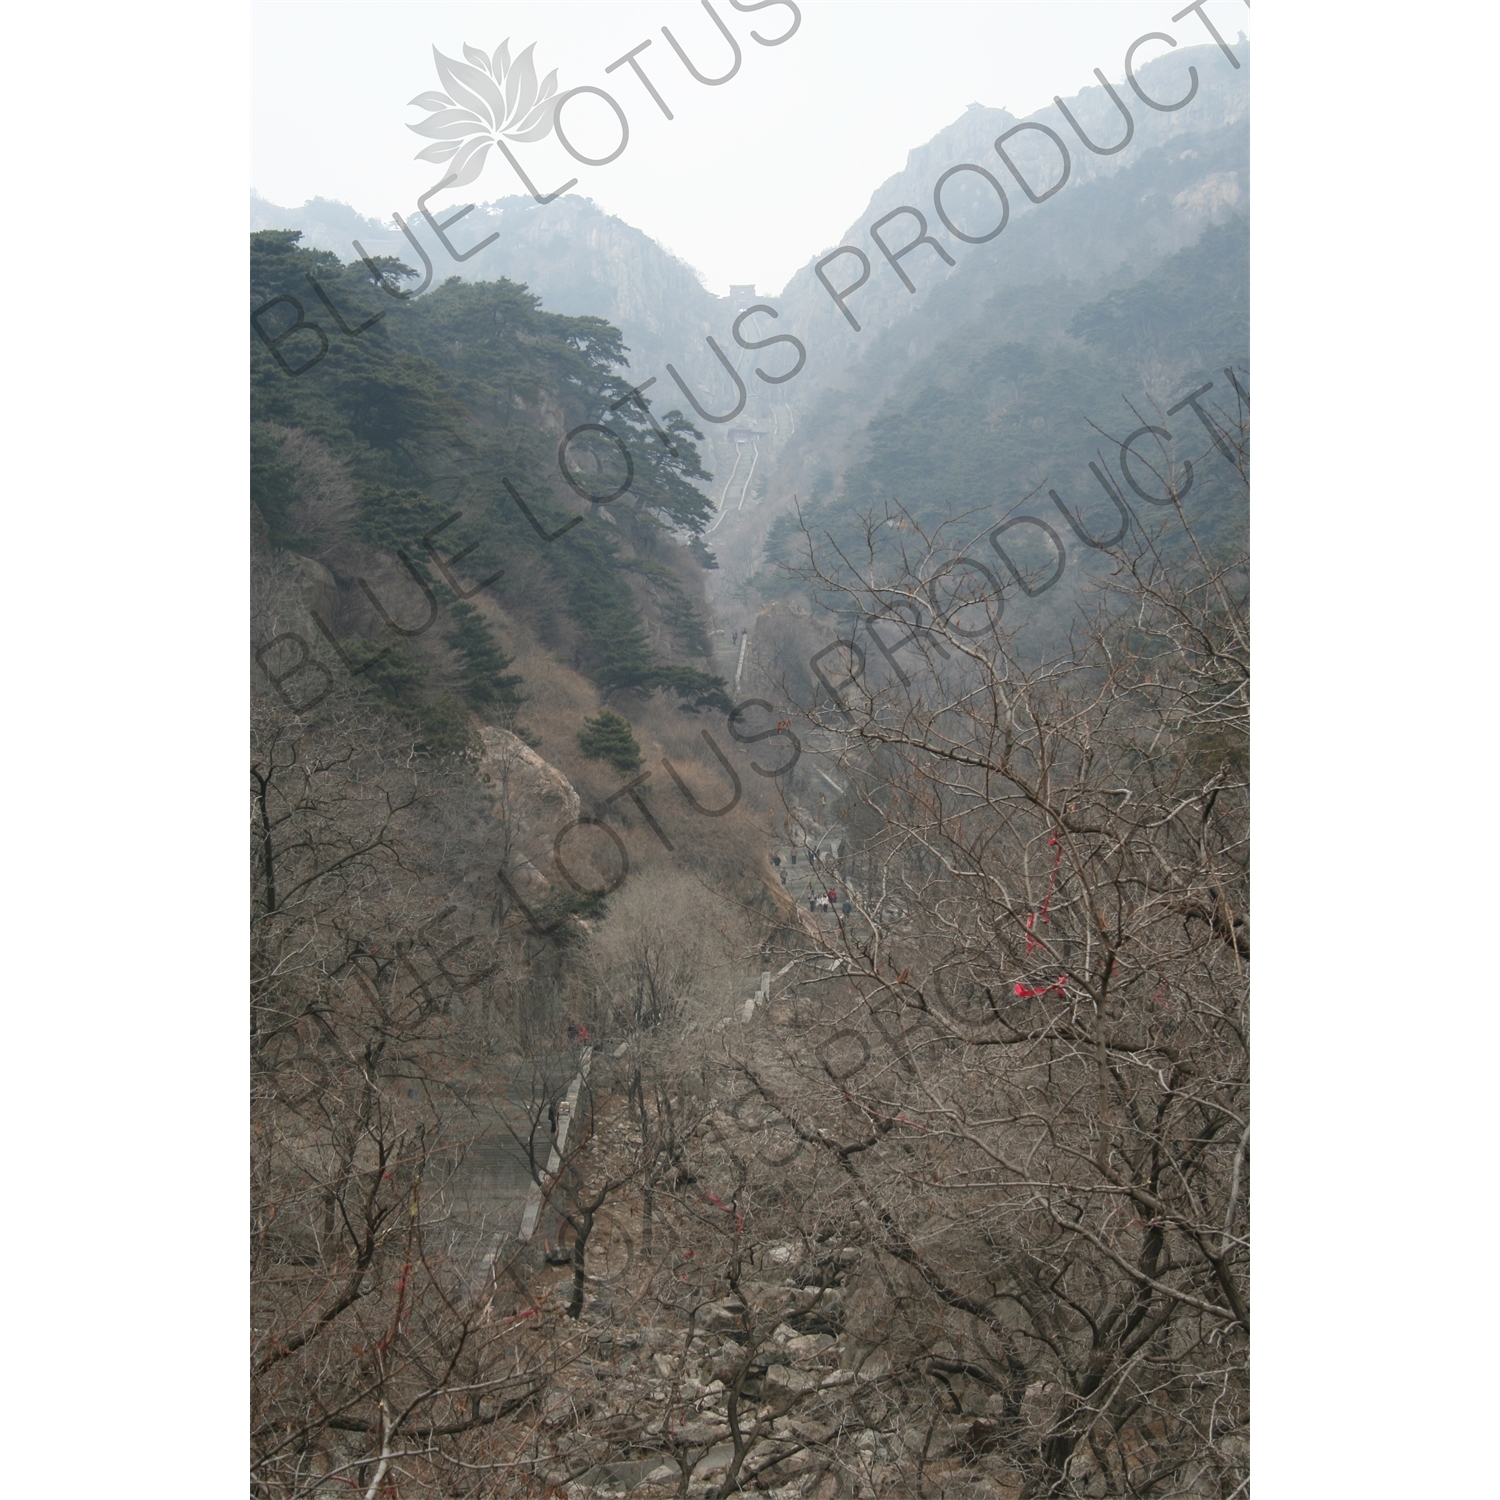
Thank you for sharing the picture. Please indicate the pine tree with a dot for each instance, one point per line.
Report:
(485, 683)
(608, 737)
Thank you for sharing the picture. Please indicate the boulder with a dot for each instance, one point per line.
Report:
(720, 1317)
(783, 1380)
(532, 798)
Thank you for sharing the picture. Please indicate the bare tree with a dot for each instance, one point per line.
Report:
(377, 1347)
(1034, 1077)
(967, 1202)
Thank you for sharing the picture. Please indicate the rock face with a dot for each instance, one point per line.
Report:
(578, 259)
(1083, 248)
(533, 802)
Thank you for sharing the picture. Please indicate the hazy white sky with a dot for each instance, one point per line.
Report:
(752, 176)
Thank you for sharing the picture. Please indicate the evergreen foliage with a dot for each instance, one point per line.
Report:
(1003, 409)
(608, 737)
(683, 622)
(447, 729)
(441, 397)
(397, 678)
(485, 681)
(273, 483)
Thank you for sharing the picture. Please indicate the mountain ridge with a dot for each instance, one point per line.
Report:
(580, 259)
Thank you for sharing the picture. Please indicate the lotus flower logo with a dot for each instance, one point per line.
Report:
(488, 97)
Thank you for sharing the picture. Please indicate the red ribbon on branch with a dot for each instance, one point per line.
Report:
(1025, 991)
(1031, 942)
(396, 1323)
(717, 1203)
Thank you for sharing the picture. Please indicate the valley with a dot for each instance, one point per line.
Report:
(599, 627)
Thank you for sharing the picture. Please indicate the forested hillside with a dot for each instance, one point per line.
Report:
(1032, 398)
(575, 257)
(440, 407)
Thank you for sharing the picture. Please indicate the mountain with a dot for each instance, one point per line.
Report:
(1125, 290)
(578, 259)
(1116, 216)
(852, 409)
(1180, 171)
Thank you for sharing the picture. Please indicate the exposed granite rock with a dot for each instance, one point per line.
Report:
(532, 798)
